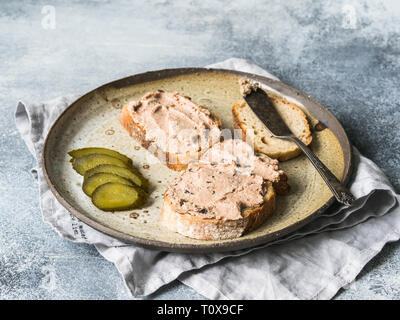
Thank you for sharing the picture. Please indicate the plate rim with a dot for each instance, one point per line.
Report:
(222, 246)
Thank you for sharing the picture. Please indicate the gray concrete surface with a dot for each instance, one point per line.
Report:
(344, 53)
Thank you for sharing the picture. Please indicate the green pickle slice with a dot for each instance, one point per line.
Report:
(85, 163)
(114, 196)
(110, 179)
(98, 179)
(131, 174)
(87, 151)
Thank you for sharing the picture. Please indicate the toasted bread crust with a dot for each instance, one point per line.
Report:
(215, 229)
(282, 187)
(177, 162)
(281, 156)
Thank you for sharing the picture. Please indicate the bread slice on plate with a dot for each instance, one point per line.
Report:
(172, 127)
(210, 202)
(256, 132)
(229, 192)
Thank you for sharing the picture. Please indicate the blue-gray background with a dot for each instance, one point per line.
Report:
(344, 53)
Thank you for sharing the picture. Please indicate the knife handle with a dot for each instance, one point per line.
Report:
(341, 193)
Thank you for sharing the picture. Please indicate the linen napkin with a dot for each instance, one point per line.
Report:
(312, 263)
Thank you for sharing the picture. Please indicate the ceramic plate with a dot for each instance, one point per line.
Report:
(93, 121)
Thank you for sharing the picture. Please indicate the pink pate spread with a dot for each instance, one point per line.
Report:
(216, 191)
(175, 123)
(228, 179)
(242, 154)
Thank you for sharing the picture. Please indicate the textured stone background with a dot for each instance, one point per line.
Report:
(344, 53)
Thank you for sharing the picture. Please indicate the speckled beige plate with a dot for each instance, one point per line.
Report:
(92, 121)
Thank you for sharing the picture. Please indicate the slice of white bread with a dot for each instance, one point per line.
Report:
(174, 161)
(218, 229)
(257, 133)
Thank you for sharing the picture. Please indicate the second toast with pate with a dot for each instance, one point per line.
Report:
(172, 127)
(213, 202)
(229, 192)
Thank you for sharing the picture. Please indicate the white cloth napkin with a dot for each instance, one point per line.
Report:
(312, 263)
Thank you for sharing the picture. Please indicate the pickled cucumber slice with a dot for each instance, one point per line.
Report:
(86, 151)
(131, 174)
(98, 179)
(85, 163)
(114, 196)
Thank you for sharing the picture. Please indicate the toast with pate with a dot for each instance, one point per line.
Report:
(172, 127)
(213, 202)
(259, 135)
(229, 192)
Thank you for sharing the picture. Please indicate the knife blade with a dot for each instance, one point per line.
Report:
(258, 100)
(265, 110)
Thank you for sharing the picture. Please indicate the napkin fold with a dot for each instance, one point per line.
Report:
(311, 263)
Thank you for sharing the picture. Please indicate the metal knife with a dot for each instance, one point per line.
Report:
(263, 107)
